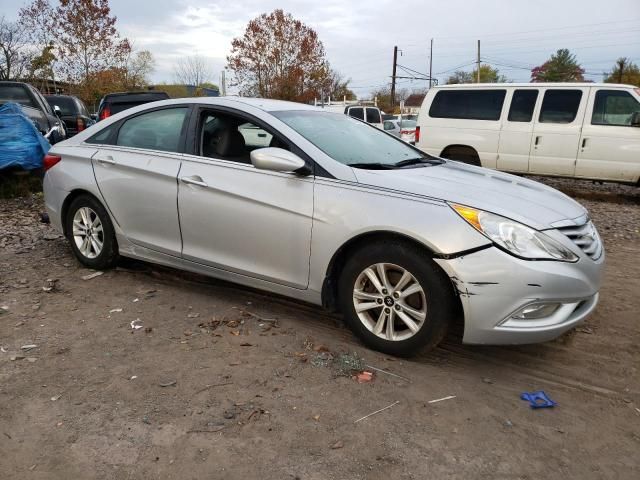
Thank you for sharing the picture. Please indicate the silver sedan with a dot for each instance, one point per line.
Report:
(327, 209)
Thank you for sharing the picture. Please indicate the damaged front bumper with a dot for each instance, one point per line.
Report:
(507, 300)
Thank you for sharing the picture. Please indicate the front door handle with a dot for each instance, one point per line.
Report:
(537, 140)
(194, 180)
(107, 159)
(584, 142)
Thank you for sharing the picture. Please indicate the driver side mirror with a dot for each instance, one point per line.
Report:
(278, 160)
(635, 119)
(57, 111)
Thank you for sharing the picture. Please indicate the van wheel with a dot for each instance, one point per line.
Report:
(462, 154)
(395, 298)
(91, 233)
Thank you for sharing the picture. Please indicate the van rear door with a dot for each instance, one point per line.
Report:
(610, 146)
(556, 130)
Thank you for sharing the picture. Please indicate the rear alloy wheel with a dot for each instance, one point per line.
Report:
(395, 298)
(91, 233)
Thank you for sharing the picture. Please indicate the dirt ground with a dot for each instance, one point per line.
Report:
(225, 382)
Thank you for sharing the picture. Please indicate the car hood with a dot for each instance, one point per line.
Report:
(520, 199)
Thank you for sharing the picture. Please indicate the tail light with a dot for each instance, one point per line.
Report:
(417, 134)
(50, 160)
(79, 124)
(106, 112)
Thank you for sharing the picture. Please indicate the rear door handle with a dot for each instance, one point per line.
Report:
(194, 180)
(537, 140)
(584, 142)
(107, 159)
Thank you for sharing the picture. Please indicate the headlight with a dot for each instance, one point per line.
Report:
(514, 237)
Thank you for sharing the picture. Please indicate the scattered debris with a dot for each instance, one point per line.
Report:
(585, 329)
(207, 387)
(442, 399)
(168, 384)
(26, 348)
(146, 420)
(364, 377)
(134, 324)
(148, 329)
(136, 300)
(32, 359)
(388, 373)
(50, 284)
(378, 411)
(487, 380)
(338, 444)
(13, 358)
(133, 377)
(508, 423)
(56, 398)
(348, 364)
(246, 344)
(92, 275)
(316, 418)
(115, 310)
(3, 350)
(538, 399)
(193, 315)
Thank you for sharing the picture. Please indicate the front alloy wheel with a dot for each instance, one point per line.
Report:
(389, 301)
(395, 297)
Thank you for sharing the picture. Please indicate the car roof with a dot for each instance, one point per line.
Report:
(265, 104)
(534, 85)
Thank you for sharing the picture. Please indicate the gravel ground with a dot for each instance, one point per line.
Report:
(226, 382)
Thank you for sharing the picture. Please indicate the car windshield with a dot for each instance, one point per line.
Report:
(349, 141)
(16, 94)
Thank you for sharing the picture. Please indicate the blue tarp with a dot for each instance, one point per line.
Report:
(21, 144)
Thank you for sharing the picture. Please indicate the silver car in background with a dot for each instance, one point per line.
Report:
(329, 210)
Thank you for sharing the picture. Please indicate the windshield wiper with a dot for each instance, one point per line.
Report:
(418, 161)
(373, 166)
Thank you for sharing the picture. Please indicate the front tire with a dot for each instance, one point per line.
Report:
(395, 298)
(91, 233)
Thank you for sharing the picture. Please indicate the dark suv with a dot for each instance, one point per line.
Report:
(117, 102)
(35, 107)
(73, 112)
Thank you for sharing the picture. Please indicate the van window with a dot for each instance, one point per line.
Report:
(357, 112)
(614, 107)
(560, 106)
(522, 104)
(373, 115)
(468, 104)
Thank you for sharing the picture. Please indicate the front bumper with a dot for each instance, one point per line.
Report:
(494, 285)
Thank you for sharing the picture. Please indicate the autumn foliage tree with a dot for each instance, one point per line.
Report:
(280, 57)
(561, 67)
(624, 71)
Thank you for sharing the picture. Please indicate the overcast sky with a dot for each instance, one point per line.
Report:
(359, 35)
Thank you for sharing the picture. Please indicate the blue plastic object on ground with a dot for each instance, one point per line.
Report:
(21, 144)
(538, 399)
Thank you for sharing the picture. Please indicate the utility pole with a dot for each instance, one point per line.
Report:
(393, 76)
(430, 62)
(478, 61)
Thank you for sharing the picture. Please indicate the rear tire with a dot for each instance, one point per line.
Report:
(410, 306)
(91, 233)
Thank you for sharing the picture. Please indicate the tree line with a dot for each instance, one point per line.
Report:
(277, 56)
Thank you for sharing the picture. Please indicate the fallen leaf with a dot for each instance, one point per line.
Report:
(337, 445)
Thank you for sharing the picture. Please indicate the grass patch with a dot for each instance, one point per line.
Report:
(19, 183)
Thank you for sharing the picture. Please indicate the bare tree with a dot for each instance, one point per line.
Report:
(14, 55)
(194, 70)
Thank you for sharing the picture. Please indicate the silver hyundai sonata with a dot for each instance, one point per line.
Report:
(327, 209)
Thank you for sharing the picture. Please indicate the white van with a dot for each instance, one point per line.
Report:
(582, 130)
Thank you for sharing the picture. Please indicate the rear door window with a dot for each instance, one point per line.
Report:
(473, 104)
(614, 107)
(373, 115)
(357, 112)
(522, 104)
(560, 106)
(157, 130)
